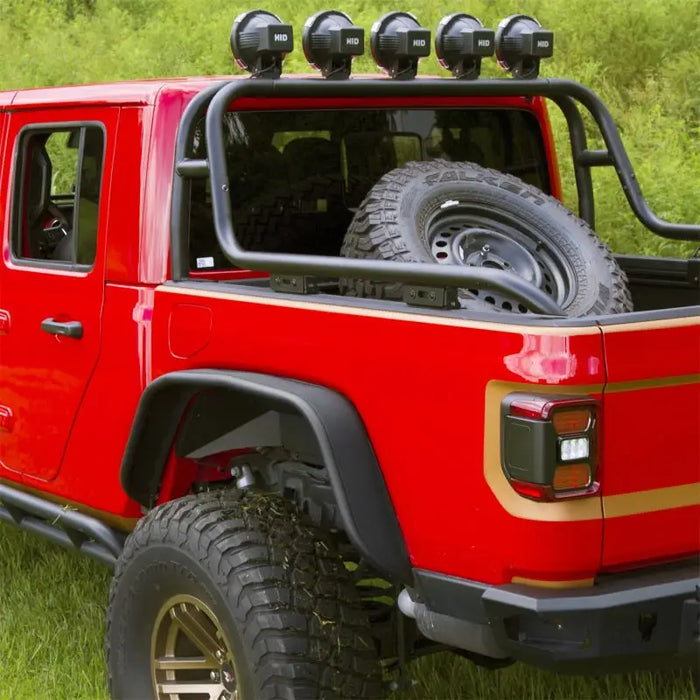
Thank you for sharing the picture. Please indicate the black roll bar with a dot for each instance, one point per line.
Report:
(216, 101)
(579, 145)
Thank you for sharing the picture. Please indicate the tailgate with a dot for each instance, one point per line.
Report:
(650, 456)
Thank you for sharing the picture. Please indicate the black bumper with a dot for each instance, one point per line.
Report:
(625, 622)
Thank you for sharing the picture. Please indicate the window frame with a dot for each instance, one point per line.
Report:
(530, 124)
(19, 173)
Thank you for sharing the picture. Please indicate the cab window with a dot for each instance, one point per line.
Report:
(297, 177)
(57, 194)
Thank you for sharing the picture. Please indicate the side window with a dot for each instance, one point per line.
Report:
(57, 194)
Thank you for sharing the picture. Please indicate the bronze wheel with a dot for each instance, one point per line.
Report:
(190, 656)
(230, 595)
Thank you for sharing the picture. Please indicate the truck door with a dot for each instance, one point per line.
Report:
(5, 417)
(650, 441)
(52, 281)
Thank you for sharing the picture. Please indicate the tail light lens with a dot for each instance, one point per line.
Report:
(549, 445)
(571, 476)
(572, 420)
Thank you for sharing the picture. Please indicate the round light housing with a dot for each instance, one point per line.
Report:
(461, 41)
(331, 41)
(260, 41)
(397, 42)
(521, 43)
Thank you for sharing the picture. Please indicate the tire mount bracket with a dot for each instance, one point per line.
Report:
(432, 297)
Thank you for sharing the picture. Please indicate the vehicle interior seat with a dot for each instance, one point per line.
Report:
(37, 207)
(316, 189)
(369, 155)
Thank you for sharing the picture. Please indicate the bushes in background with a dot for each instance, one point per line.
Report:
(641, 56)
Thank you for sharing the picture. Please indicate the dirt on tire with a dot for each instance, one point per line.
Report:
(278, 584)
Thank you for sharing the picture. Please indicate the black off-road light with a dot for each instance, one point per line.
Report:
(260, 41)
(397, 42)
(521, 43)
(331, 41)
(461, 41)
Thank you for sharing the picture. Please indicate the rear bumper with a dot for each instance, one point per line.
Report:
(624, 622)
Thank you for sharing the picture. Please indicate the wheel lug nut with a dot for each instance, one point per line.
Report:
(213, 675)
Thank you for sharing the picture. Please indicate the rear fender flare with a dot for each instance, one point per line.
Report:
(345, 448)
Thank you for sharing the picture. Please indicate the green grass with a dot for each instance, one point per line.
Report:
(52, 613)
(52, 609)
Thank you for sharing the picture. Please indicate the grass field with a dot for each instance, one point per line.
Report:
(52, 611)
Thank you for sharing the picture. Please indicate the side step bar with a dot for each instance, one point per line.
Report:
(67, 527)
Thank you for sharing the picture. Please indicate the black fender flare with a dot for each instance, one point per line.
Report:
(355, 475)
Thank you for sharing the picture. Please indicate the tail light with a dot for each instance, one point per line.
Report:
(549, 445)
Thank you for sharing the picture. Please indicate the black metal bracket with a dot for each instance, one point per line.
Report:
(432, 297)
(300, 284)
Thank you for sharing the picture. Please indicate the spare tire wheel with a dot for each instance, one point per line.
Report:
(461, 213)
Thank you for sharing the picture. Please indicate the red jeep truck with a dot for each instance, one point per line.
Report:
(227, 369)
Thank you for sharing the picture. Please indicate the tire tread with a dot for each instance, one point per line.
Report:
(281, 576)
(375, 232)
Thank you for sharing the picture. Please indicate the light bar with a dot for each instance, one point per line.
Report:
(331, 41)
(521, 43)
(397, 42)
(260, 41)
(461, 41)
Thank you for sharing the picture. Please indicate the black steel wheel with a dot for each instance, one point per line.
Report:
(236, 597)
(463, 214)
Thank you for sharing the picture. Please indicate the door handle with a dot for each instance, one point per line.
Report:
(70, 329)
(4, 322)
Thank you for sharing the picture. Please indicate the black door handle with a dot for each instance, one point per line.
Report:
(71, 329)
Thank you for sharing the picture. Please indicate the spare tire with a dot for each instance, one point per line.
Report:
(461, 213)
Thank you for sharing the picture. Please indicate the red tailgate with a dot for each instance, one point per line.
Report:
(651, 442)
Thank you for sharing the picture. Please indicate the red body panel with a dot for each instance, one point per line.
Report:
(420, 388)
(45, 376)
(92, 460)
(427, 387)
(650, 443)
(128, 192)
(137, 92)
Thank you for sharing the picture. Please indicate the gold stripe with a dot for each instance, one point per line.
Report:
(392, 315)
(655, 383)
(437, 320)
(116, 521)
(577, 583)
(658, 324)
(652, 500)
(515, 504)
(620, 505)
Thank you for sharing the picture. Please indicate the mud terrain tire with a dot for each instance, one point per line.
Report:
(461, 213)
(269, 592)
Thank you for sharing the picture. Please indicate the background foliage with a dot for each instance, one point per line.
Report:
(641, 56)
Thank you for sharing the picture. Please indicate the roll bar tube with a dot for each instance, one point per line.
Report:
(216, 101)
